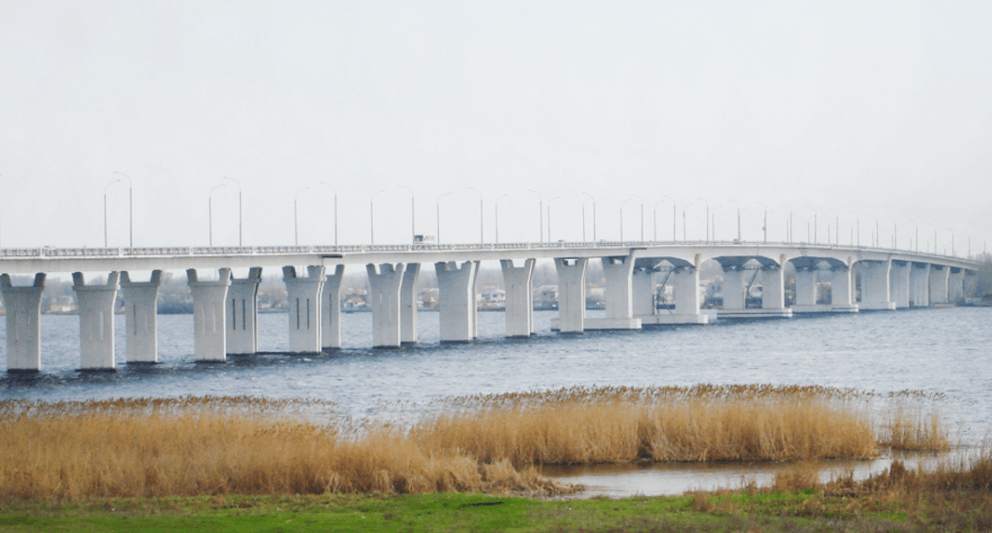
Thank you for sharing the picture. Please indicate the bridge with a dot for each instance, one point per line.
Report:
(225, 309)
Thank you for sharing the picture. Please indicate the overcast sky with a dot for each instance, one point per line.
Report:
(879, 109)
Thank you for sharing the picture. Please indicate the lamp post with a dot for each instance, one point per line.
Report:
(895, 233)
(372, 215)
(130, 209)
(413, 214)
(105, 245)
(738, 219)
(953, 253)
(707, 218)
(916, 239)
(816, 238)
(836, 228)
(496, 203)
(335, 210)
(549, 217)
(540, 213)
(296, 219)
(788, 226)
(240, 244)
(210, 213)
(684, 229)
(438, 215)
(764, 224)
(875, 237)
(482, 239)
(593, 198)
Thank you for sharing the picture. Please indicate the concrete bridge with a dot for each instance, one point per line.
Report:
(225, 308)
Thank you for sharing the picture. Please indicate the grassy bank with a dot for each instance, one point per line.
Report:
(247, 446)
(952, 498)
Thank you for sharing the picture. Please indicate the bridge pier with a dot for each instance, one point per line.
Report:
(96, 322)
(618, 271)
(571, 295)
(841, 295)
(330, 312)
(242, 298)
(875, 292)
(806, 283)
(141, 317)
(938, 284)
(23, 307)
(303, 297)
(456, 300)
(955, 285)
(920, 284)
(384, 292)
(642, 286)
(408, 304)
(899, 280)
(519, 284)
(209, 324)
(733, 289)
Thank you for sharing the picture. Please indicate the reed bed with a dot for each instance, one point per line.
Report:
(491, 443)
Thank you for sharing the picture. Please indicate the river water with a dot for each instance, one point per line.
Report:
(944, 351)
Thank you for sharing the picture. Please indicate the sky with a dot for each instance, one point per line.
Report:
(866, 114)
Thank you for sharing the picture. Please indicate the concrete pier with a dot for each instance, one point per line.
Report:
(642, 286)
(23, 307)
(618, 272)
(806, 281)
(938, 284)
(875, 291)
(96, 322)
(141, 317)
(303, 296)
(242, 309)
(955, 285)
(519, 285)
(571, 295)
(209, 331)
(408, 304)
(899, 281)
(841, 293)
(384, 293)
(773, 288)
(920, 280)
(330, 310)
(456, 300)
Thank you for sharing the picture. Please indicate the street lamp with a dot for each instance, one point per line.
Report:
(296, 220)
(875, 238)
(130, 210)
(738, 219)
(105, 245)
(438, 215)
(788, 227)
(707, 218)
(895, 233)
(540, 213)
(210, 212)
(764, 225)
(549, 217)
(684, 234)
(953, 253)
(496, 203)
(372, 216)
(916, 239)
(239, 208)
(482, 239)
(593, 198)
(816, 239)
(335, 210)
(413, 212)
(836, 228)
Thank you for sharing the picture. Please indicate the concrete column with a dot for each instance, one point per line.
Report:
(209, 310)
(899, 281)
(571, 294)
(733, 288)
(938, 284)
(384, 295)
(23, 307)
(955, 285)
(408, 304)
(841, 295)
(141, 317)
(303, 296)
(330, 310)
(96, 321)
(920, 275)
(772, 287)
(875, 293)
(519, 284)
(456, 300)
(618, 272)
(242, 304)
(806, 279)
(643, 291)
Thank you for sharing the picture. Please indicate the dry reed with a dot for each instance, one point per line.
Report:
(190, 446)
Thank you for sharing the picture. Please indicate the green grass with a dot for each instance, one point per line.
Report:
(806, 510)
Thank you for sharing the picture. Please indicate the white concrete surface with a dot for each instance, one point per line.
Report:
(875, 291)
(938, 284)
(899, 282)
(384, 296)
(23, 308)
(571, 294)
(920, 276)
(408, 304)
(772, 287)
(330, 310)
(519, 285)
(141, 317)
(96, 321)
(242, 314)
(209, 331)
(303, 297)
(456, 300)
(618, 272)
